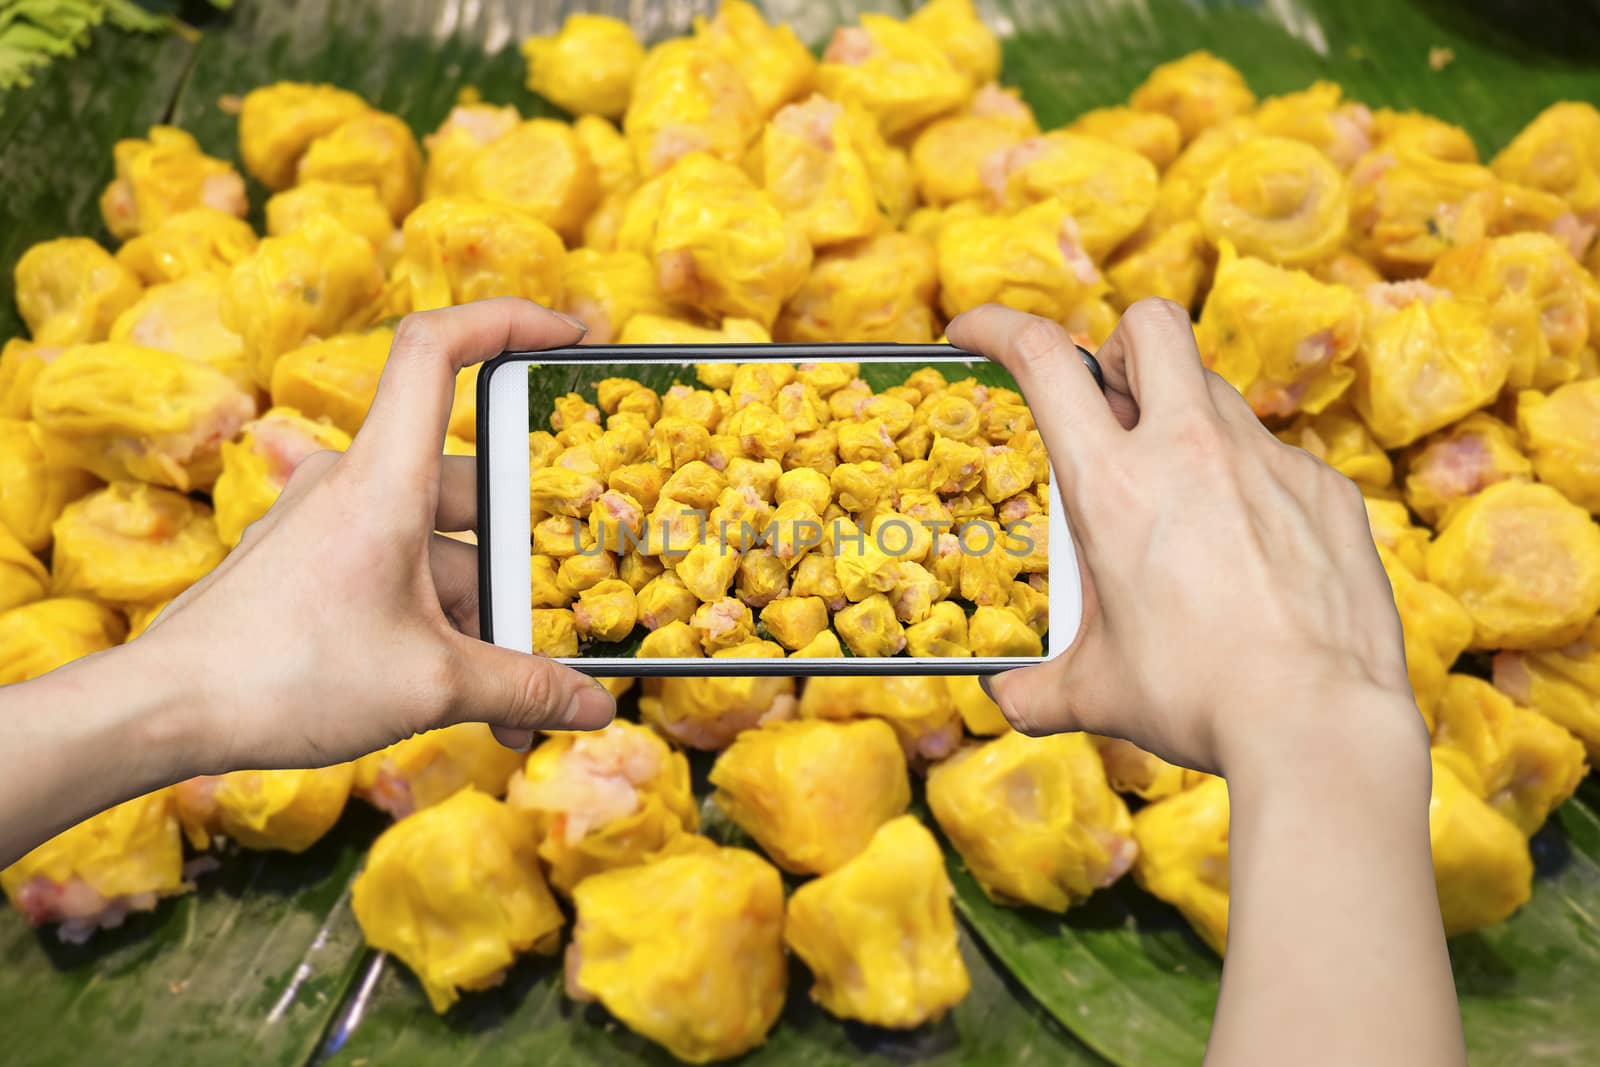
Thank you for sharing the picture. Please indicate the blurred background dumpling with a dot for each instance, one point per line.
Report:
(185, 317)
(1033, 818)
(201, 240)
(257, 466)
(37, 480)
(421, 770)
(702, 969)
(458, 250)
(461, 922)
(1183, 856)
(40, 636)
(132, 544)
(279, 122)
(163, 175)
(92, 876)
(877, 289)
(123, 411)
(1561, 432)
(333, 379)
(1278, 199)
(1198, 91)
(1448, 466)
(284, 810)
(70, 290)
(891, 70)
(587, 67)
(708, 713)
(774, 64)
(688, 97)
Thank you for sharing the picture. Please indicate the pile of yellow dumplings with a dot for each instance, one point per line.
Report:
(1425, 322)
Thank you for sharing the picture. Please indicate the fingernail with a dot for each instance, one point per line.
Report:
(988, 690)
(575, 323)
(590, 708)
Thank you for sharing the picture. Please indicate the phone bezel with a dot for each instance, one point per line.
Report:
(503, 517)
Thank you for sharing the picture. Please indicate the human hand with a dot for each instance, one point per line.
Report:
(1234, 604)
(343, 622)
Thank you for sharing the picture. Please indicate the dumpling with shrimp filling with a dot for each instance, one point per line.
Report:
(421, 770)
(131, 544)
(1525, 563)
(1339, 438)
(355, 207)
(1174, 263)
(1426, 358)
(1435, 627)
(1279, 336)
(334, 379)
(279, 122)
(23, 578)
(309, 283)
(1033, 261)
(1033, 818)
(1107, 189)
(127, 412)
(1392, 528)
(37, 479)
(708, 713)
(257, 466)
(1278, 200)
(69, 291)
(457, 925)
(1198, 90)
(588, 67)
(1398, 131)
(879, 933)
(1523, 764)
(540, 167)
(1558, 152)
(92, 876)
(272, 810)
(879, 289)
(1152, 134)
(645, 328)
(1562, 684)
(20, 363)
(603, 800)
(813, 792)
(813, 173)
(459, 250)
(374, 149)
(773, 63)
(40, 636)
(163, 175)
(1183, 856)
(1482, 870)
(185, 317)
(1536, 295)
(1130, 769)
(949, 155)
(1447, 467)
(721, 245)
(605, 290)
(201, 240)
(1407, 208)
(1562, 434)
(957, 30)
(452, 148)
(1321, 117)
(919, 708)
(701, 970)
(888, 68)
(688, 97)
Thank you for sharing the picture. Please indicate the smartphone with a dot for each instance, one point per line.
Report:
(685, 475)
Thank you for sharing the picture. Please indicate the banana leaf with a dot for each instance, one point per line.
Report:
(247, 969)
(197, 980)
(1129, 977)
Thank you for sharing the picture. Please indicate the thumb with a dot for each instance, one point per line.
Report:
(1031, 699)
(517, 694)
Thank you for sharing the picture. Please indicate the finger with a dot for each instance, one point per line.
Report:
(522, 692)
(1065, 401)
(1234, 408)
(405, 428)
(1152, 356)
(455, 578)
(1031, 699)
(458, 494)
(516, 740)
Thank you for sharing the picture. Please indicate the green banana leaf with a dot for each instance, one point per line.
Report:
(1526, 986)
(248, 969)
(198, 980)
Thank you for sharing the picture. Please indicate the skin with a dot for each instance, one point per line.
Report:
(341, 624)
(1237, 620)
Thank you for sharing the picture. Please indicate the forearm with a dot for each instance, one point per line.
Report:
(1335, 954)
(92, 734)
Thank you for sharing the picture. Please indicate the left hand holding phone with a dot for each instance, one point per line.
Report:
(343, 621)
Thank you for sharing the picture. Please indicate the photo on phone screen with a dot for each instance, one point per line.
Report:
(744, 507)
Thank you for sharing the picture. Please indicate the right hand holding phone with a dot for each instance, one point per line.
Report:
(1233, 599)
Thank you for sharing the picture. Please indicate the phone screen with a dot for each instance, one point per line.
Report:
(743, 509)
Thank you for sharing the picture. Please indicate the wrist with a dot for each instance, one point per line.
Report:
(1344, 738)
(155, 697)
